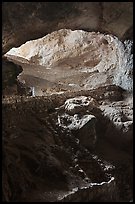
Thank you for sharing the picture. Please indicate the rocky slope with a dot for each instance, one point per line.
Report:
(49, 155)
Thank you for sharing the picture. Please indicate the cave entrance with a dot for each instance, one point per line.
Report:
(72, 60)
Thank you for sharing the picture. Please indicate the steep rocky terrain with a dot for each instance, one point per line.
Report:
(67, 102)
(56, 148)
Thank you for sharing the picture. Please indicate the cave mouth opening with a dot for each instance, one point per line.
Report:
(72, 60)
(34, 149)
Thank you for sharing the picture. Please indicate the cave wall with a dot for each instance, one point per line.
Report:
(23, 21)
(10, 71)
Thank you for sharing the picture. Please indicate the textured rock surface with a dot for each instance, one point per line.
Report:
(45, 162)
(19, 18)
(10, 71)
(74, 143)
(120, 130)
(76, 60)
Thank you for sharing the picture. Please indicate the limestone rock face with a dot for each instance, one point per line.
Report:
(79, 59)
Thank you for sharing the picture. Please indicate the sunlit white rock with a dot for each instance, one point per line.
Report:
(73, 122)
(109, 59)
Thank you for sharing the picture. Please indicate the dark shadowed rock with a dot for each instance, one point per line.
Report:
(19, 17)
